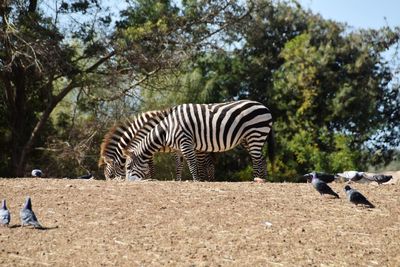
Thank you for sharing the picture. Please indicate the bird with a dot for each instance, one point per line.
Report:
(379, 178)
(322, 187)
(325, 177)
(356, 197)
(36, 173)
(358, 176)
(351, 176)
(86, 176)
(5, 216)
(27, 215)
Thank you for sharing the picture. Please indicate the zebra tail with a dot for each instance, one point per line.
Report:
(271, 148)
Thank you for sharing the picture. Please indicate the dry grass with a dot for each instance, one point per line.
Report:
(200, 224)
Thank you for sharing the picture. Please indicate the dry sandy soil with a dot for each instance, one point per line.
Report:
(96, 223)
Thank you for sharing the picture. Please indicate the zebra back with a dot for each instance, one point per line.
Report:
(218, 127)
(140, 135)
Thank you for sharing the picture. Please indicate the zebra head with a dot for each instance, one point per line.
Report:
(136, 169)
(114, 169)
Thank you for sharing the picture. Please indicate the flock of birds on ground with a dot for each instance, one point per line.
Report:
(352, 194)
(26, 214)
(38, 173)
(318, 180)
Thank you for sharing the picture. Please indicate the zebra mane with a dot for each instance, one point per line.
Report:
(107, 141)
(120, 135)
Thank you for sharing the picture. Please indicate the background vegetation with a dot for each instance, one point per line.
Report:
(71, 69)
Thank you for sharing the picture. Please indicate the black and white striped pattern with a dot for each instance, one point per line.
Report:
(117, 139)
(111, 152)
(205, 128)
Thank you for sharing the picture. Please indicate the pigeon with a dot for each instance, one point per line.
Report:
(5, 216)
(321, 186)
(86, 176)
(358, 176)
(379, 178)
(356, 197)
(37, 173)
(326, 177)
(27, 215)
(351, 176)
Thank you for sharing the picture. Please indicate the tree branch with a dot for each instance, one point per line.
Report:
(55, 100)
(32, 6)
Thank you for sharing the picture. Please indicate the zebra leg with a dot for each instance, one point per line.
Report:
(210, 167)
(211, 172)
(259, 169)
(205, 166)
(201, 165)
(178, 165)
(190, 155)
(259, 164)
(151, 169)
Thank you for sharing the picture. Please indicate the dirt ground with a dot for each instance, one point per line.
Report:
(105, 223)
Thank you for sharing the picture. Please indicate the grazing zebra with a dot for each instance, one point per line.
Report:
(206, 128)
(111, 152)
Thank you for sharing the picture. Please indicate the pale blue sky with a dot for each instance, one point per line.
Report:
(357, 13)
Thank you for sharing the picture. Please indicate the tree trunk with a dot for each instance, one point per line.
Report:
(20, 159)
(18, 117)
(27, 148)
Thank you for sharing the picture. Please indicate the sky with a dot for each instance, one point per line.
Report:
(361, 14)
(357, 13)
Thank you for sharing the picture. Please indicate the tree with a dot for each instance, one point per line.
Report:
(329, 89)
(332, 89)
(45, 57)
(38, 69)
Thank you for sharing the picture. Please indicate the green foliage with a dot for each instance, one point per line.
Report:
(343, 158)
(328, 92)
(146, 34)
(322, 84)
(243, 175)
(212, 78)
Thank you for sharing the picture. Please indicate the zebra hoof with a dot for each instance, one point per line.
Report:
(259, 180)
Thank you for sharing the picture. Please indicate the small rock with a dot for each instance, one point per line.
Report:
(267, 224)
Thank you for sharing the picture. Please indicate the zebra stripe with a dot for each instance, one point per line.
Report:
(117, 139)
(206, 128)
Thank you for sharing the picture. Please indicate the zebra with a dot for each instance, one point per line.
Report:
(111, 149)
(206, 128)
